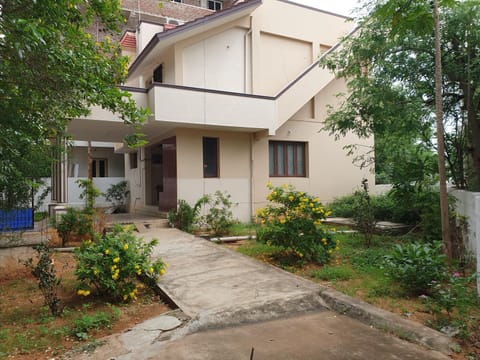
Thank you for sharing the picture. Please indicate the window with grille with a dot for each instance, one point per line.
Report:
(287, 159)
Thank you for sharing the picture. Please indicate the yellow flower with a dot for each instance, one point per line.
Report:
(83, 292)
(162, 272)
(330, 251)
(337, 248)
(116, 260)
(113, 268)
(96, 271)
(274, 193)
(125, 297)
(107, 251)
(328, 213)
(115, 276)
(282, 221)
(315, 200)
(291, 197)
(125, 247)
(150, 270)
(311, 205)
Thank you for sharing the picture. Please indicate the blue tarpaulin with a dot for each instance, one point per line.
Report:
(16, 219)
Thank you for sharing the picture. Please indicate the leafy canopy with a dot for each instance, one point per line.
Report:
(55, 65)
(389, 66)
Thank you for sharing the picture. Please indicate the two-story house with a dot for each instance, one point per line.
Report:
(237, 99)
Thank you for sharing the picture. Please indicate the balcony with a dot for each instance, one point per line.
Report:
(194, 106)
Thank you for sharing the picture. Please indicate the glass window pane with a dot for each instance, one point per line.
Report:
(301, 160)
(210, 157)
(290, 160)
(280, 160)
(271, 158)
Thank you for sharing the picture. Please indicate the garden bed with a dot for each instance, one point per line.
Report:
(29, 331)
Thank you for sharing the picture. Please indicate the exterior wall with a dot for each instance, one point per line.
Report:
(234, 167)
(145, 33)
(74, 191)
(136, 179)
(330, 172)
(216, 62)
(282, 59)
(275, 37)
(468, 205)
(79, 158)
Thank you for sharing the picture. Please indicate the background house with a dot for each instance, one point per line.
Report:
(237, 100)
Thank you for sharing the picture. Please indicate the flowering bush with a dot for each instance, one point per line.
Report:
(111, 264)
(293, 221)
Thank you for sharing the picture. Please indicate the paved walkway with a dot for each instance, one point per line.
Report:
(232, 303)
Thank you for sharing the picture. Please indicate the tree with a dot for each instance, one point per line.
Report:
(398, 87)
(52, 70)
(389, 65)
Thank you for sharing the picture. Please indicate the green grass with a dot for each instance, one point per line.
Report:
(333, 273)
(242, 229)
(259, 250)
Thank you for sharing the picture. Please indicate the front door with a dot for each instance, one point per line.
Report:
(167, 197)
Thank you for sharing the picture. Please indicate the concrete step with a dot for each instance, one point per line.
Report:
(150, 210)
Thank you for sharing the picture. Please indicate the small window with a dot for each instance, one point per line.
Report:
(179, 1)
(210, 157)
(158, 74)
(133, 160)
(287, 159)
(214, 5)
(99, 168)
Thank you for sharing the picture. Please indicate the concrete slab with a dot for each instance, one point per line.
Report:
(322, 335)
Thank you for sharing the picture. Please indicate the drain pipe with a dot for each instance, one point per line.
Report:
(245, 43)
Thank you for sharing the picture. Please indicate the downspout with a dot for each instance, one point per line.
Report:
(252, 180)
(245, 43)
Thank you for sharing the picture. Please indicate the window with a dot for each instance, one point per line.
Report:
(158, 74)
(210, 157)
(287, 158)
(214, 5)
(133, 160)
(99, 168)
(179, 1)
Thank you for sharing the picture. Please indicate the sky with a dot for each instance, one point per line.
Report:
(342, 7)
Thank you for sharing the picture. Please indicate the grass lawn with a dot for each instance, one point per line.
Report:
(358, 271)
(28, 331)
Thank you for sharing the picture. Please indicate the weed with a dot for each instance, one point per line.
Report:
(333, 273)
(98, 320)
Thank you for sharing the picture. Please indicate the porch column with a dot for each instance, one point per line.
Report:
(59, 174)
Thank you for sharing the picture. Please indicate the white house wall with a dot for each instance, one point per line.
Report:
(78, 158)
(282, 59)
(234, 167)
(216, 62)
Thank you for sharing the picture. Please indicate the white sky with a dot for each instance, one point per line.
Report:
(343, 7)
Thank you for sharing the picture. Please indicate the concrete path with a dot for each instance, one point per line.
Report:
(231, 303)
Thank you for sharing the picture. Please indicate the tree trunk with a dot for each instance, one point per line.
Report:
(446, 238)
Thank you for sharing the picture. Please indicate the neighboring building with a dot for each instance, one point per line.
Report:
(237, 99)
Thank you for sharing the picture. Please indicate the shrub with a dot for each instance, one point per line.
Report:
(81, 223)
(44, 272)
(219, 217)
(111, 264)
(117, 194)
(292, 220)
(417, 266)
(364, 216)
(184, 216)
